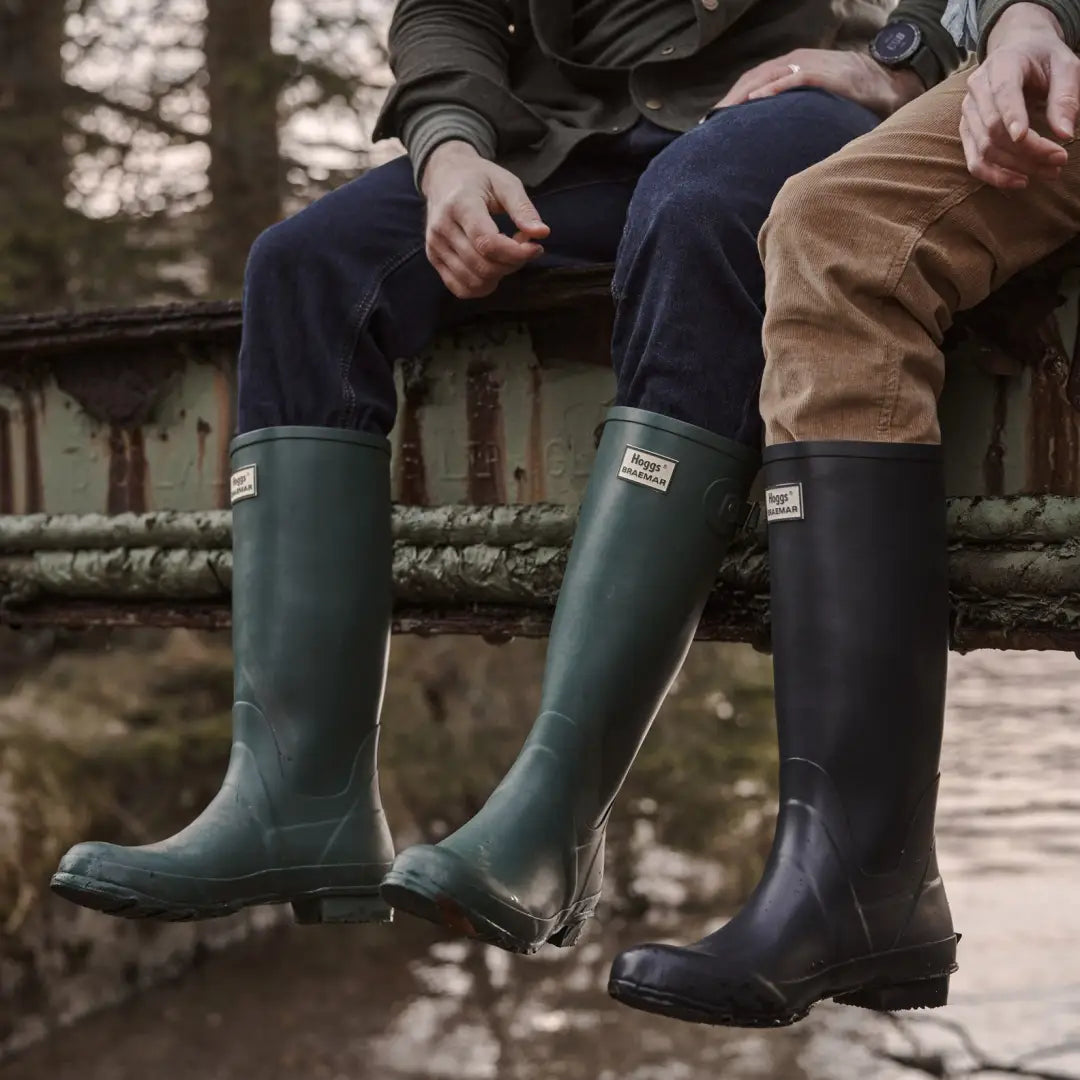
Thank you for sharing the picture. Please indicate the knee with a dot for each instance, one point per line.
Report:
(806, 213)
(276, 255)
(683, 199)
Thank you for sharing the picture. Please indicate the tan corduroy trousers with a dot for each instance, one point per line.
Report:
(868, 257)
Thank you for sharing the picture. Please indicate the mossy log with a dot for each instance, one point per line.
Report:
(497, 570)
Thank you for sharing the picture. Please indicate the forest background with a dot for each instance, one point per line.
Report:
(145, 143)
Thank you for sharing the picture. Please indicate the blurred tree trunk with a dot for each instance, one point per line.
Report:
(33, 164)
(245, 169)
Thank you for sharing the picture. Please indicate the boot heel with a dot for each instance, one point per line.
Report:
(342, 909)
(567, 936)
(923, 994)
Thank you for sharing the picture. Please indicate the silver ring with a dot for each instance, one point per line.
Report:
(794, 69)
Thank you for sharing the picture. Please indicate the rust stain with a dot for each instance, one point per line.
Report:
(225, 393)
(487, 441)
(138, 473)
(129, 471)
(994, 459)
(34, 498)
(7, 465)
(411, 475)
(1053, 434)
(202, 430)
(116, 502)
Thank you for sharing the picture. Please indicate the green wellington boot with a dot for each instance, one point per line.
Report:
(298, 818)
(663, 502)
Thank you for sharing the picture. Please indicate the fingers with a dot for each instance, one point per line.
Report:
(757, 78)
(998, 89)
(789, 81)
(985, 161)
(459, 278)
(477, 236)
(998, 94)
(510, 197)
(471, 255)
(1063, 99)
(992, 154)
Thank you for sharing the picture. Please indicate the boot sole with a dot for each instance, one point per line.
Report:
(420, 896)
(359, 905)
(879, 993)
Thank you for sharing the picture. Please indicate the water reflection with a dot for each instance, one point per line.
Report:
(352, 1004)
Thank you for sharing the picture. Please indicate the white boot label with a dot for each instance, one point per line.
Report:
(784, 503)
(242, 485)
(650, 470)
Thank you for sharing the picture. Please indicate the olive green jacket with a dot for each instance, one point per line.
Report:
(1067, 12)
(503, 63)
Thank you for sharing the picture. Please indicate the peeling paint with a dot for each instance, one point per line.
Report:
(117, 388)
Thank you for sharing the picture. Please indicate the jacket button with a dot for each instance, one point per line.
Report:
(654, 103)
(710, 5)
(667, 50)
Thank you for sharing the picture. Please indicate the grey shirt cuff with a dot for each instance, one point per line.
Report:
(433, 125)
(1067, 12)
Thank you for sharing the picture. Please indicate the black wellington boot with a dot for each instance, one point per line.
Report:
(851, 905)
(663, 501)
(298, 818)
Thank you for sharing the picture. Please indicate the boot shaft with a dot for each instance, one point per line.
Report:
(311, 593)
(860, 634)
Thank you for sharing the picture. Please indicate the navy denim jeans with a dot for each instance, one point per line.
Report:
(336, 293)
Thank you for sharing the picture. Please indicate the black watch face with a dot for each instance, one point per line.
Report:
(897, 42)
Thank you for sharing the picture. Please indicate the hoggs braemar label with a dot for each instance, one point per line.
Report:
(784, 503)
(650, 470)
(242, 484)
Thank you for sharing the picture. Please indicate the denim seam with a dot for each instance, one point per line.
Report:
(357, 317)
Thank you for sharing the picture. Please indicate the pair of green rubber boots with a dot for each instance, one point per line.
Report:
(298, 819)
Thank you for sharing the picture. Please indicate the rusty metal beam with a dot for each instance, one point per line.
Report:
(67, 332)
(977, 624)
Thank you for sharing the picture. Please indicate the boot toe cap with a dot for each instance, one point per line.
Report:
(689, 984)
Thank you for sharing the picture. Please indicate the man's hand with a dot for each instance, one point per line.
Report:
(1027, 61)
(464, 244)
(853, 75)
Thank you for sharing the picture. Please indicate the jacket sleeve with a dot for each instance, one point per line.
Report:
(1067, 12)
(927, 15)
(455, 53)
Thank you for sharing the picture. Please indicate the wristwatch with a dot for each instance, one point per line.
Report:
(901, 45)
